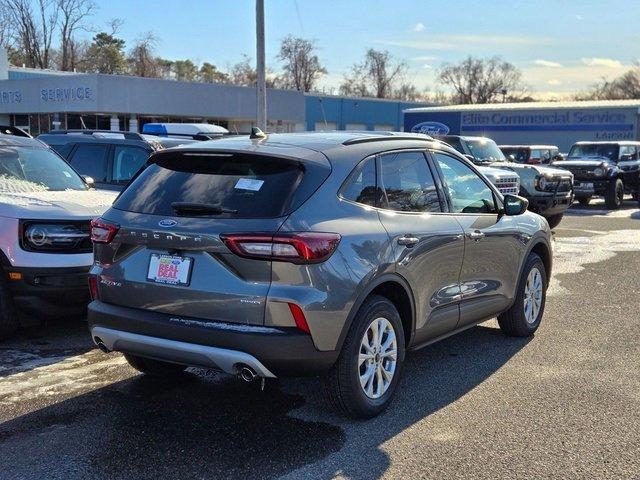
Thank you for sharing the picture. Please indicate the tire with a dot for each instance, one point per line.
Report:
(614, 195)
(554, 220)
(343, 382)
(584, 201)
(514, 322)
(9, 321)
(154, 368)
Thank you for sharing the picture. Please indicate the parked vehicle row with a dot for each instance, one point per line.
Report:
(549, 190)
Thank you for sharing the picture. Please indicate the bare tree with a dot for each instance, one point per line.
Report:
(33, 29)
(377, 76)
(625, 87)
(142, 61)
(7, 34)
(301, 67)
(73, 14)
(478, 80)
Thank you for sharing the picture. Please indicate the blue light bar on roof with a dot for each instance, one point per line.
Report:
(154, 129)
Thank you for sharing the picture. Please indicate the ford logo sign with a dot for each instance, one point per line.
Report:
(430, 128)
(167, 222)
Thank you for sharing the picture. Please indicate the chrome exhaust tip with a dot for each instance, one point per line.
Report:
(247, 373)
(101, 345)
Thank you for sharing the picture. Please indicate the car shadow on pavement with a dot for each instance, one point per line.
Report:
(206, 425)
(434, 377)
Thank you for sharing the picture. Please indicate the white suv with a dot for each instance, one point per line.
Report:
(45, 212)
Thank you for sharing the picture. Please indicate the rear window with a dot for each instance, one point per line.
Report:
(217, 185)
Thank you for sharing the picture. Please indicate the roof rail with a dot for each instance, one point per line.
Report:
(126, 135)
(382, 138)
(15, 131)
(195, 136)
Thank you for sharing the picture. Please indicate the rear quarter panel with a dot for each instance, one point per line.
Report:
(328, 291)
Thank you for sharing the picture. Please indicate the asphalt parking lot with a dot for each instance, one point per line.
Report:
(564, 404)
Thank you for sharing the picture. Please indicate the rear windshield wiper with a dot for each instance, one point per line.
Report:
(200, 208)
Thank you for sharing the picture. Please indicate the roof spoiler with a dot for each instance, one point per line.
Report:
(126, 135)
(15, 131)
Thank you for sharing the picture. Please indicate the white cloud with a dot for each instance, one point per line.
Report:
(554, 81)
(419, 27)
(602, 62)
(548, 64)
(427, 66)
(578, 16)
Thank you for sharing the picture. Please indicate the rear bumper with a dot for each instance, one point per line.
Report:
(49, 292)
(194, 342)
(548, 205)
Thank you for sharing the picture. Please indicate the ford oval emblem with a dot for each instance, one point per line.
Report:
(167, 222)
(430, 128)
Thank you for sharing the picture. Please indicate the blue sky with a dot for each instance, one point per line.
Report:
(560, 46)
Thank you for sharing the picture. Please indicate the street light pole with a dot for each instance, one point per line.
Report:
(261, 87)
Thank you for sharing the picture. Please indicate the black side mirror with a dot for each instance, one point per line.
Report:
(515, 205)
(511, 157)
(89, 181)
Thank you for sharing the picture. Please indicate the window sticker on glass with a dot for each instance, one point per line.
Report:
(249, 184)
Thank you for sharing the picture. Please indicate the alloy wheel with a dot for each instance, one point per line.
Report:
(533, 296)
(377, 358)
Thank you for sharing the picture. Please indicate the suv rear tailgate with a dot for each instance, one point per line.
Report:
(174, 213)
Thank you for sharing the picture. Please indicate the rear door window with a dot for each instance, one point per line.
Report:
(407, 183)
(90, 160)
(127, 160)
(215, 184)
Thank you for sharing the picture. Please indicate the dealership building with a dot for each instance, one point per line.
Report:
(42, 100)
(548, 123)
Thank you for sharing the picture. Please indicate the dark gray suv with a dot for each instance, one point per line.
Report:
(312, 253)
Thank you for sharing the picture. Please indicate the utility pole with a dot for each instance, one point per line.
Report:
(261, 87)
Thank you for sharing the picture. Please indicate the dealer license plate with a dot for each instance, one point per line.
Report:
(583, 186)
(169, 269)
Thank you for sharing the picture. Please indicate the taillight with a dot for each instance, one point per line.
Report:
(102, 232)
(93, 287)
(298, 316)
(298, 247)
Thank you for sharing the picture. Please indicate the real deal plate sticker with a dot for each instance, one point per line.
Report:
(168, 269)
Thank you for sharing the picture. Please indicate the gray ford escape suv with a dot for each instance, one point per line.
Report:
(312, 253)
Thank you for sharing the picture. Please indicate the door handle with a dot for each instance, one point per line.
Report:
(408, 240)
(475, 235)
